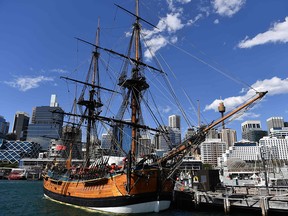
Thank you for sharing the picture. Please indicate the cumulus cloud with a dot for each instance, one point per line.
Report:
(227, 7)
(277, 33)
(274, 86)
(176, 19)
(167, 27)
(155, 44)
(27, 83)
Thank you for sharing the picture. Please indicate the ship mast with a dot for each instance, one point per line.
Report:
(135, 93)
(137, 82)
(92, 105)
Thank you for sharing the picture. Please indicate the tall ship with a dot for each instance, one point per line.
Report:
(138, 180)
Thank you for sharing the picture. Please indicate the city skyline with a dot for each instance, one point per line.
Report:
(221, 50)
(169, 121)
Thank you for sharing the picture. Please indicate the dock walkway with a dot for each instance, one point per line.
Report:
(261, 199)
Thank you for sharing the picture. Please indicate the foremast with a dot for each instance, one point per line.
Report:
(93, 106)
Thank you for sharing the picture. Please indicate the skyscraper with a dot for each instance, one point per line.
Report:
(275, 123)
(46, 124)
(21, 122)
(229, 136)
(252, 131)
(4, 127)
(106, 140)
(53, 101)
(211, 150)
(174, 121)
(169, 140)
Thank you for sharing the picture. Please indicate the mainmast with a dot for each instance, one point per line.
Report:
(135, 93)
(136, 83)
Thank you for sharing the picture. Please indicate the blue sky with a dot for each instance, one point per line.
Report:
(216, 50)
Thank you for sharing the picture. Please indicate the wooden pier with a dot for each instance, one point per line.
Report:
(264, 201)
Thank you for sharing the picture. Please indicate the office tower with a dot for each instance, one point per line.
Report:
(244, 150)
(190, 132)
(274, 122)
(4, 127)
(272, 148)
(53, 101)
(228, 136)
(121, 137)
(174, 121)
(106, 140)
(280, 133)
(21, 122)
(168, 140)
(211, 150)
(46, 124)
(212, 134)
(252, 131)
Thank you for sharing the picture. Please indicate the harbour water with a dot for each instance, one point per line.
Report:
(25, 198)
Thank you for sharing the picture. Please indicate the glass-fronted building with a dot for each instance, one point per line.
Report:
(46, 124)
(21, 122)
(4, 127)
(13, 151)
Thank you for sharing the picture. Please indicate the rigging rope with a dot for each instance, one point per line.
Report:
(168, 83)
(213, 67)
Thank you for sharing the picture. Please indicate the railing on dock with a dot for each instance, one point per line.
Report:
(250, 197)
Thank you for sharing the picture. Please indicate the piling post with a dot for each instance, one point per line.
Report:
(264, 206)
(226, 206)
(196, 199)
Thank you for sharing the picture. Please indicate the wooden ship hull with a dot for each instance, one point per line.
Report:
(148, 192)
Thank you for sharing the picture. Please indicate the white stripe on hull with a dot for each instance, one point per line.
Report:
(154, 206)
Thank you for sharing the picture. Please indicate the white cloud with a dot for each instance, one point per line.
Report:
(274, 86)
(155, 44)
(277, 33)
(26, 83)
(227, 7)
(167, 28)
(246, 115)
(166, 109)
(183, 1)
(59, 70)
(173, 22)
(192, 21)
(174, 39)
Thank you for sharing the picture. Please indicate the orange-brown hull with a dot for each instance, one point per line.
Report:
(105, 193)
